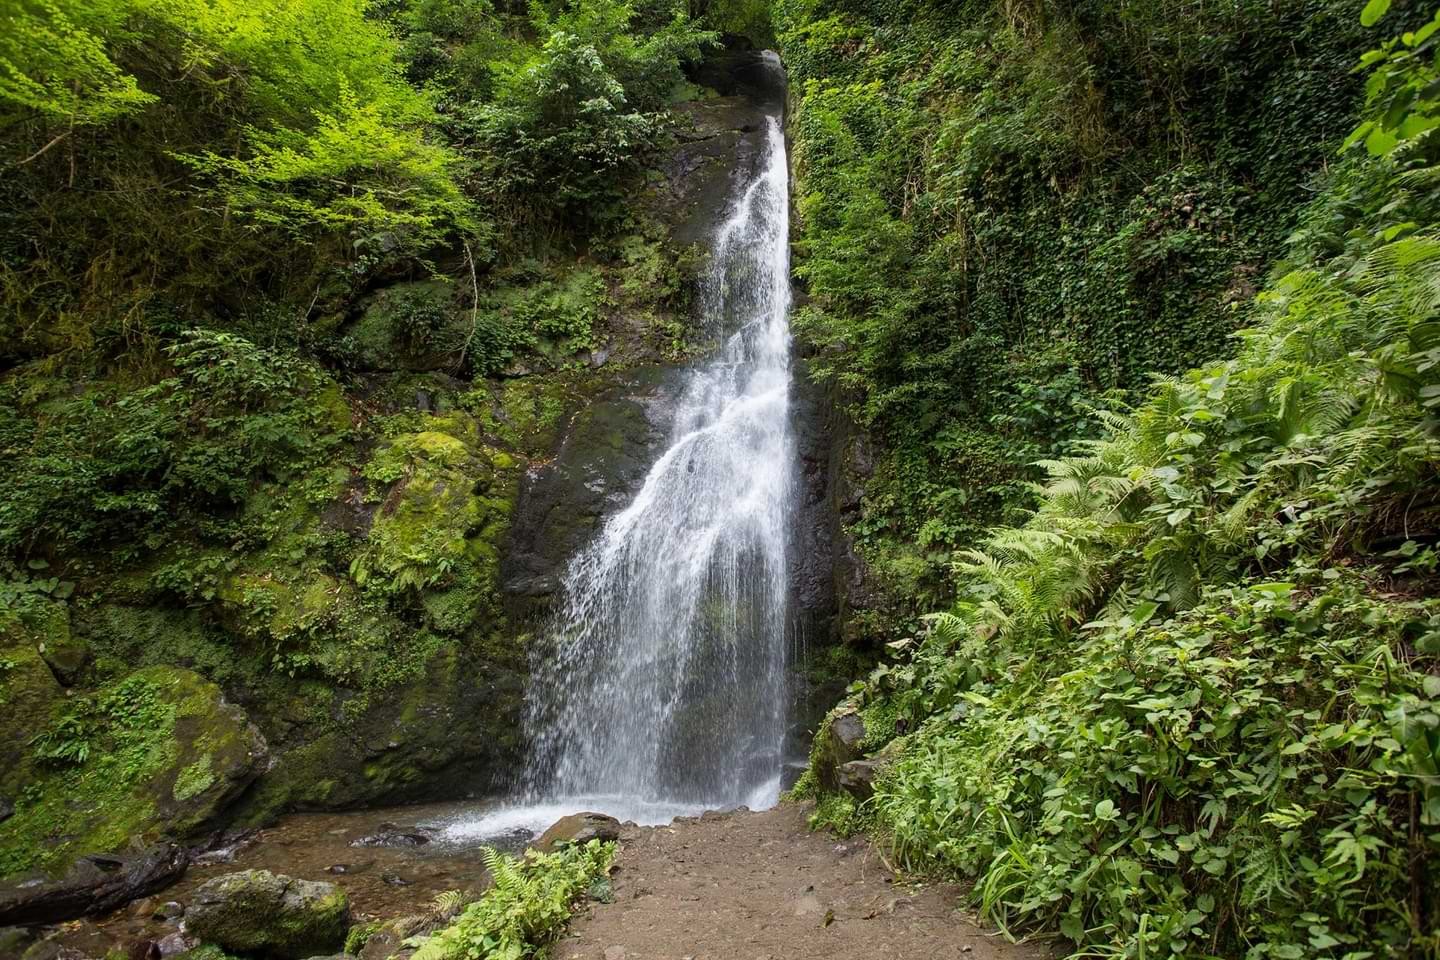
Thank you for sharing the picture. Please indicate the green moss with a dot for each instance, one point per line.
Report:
(153, 754)
(360, 934)
(256, 911)
(194, 779)
(98, 804)
(443, 516)
(29, 693)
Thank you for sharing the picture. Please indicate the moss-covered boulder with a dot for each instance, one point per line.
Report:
(259, 912)
(157, 754)
(408, 326)
(28, 695)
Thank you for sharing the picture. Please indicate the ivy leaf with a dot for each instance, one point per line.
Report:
(1373, 11)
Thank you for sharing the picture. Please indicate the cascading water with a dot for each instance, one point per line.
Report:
(668, 678)
(667, 682)
(663, 689)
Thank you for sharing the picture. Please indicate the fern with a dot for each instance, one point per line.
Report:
(524, 909)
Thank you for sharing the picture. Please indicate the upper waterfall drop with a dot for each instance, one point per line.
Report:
(664, 684)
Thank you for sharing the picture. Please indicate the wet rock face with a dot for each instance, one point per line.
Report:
(260, 912)
(721, 141)
(815, 531)
(602, 459)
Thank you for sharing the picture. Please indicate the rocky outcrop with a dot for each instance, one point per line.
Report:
(839, 743)
(157, 756)
(578, 828)
(94, 884)
(259, 912)
(603, 456)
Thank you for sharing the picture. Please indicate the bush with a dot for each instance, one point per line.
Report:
(526, 907)
(1191, 706)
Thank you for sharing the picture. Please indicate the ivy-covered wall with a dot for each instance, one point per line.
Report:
(1008, 211)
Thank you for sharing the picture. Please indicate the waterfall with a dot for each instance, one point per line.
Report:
(664, 682)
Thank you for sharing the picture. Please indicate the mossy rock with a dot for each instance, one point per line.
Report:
(452, 729)
(408, 326)
(259, 912)
(446, 506)
(159, 754)
(841, 740)
(281, 607)
(28, 695)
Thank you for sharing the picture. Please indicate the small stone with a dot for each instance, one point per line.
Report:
(169, 910)
(174, 944)
(144, 950)
(615, 952)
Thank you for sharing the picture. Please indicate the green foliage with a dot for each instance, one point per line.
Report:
(53, 62)
(116, 465)
(97, 754)
(1009, 211)
(526, 907)
(1190, 706)
(1403, 107)
(566, 120)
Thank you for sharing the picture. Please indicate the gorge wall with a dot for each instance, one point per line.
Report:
(277, 674)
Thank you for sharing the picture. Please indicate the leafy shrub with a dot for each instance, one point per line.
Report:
(1191, 705)
(525, 908)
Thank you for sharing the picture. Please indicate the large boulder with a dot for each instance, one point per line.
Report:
(578, 828)
(157, 756)
(260, 912)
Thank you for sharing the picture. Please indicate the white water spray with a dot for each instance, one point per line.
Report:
(664, 688)
(667, 684)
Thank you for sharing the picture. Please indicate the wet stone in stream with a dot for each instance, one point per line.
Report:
(390, 863)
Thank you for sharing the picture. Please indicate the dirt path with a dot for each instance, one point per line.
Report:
(762, 886)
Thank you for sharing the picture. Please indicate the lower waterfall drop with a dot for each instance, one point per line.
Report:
(665, 689)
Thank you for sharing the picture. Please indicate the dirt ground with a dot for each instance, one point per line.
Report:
(762, 886)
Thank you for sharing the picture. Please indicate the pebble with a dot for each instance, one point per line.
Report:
(615, 952)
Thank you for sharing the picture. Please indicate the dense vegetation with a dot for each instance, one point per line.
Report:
(527, 905)
(261, 268)
(1012, 210)
(1134, 305)
(1191, 704)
